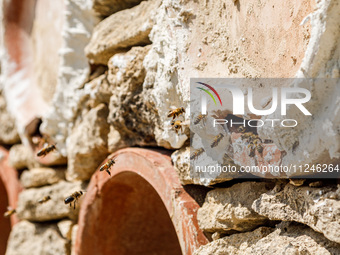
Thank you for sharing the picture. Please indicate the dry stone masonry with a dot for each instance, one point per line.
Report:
(107, 81)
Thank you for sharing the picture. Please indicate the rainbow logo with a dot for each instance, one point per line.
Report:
(209, 93)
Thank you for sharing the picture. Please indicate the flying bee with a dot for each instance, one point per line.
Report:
(9, 212)
(44, 199)
(241, 129)
(108, 165)
(176, 112)
(199, 118)
(196, 153)
(177, 125)
(247, 135)
(217, 140)
(73, 198)
(44, 151)
(252, 151)
(258, 146)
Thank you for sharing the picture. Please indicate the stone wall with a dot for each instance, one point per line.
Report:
(96, 76)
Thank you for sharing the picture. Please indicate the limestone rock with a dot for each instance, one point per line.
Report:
(227, 209)
(65, 227)
(234, 244)
(37, 177)
(87, 145)
(74, 71)
(120, 31)
(187, 175)
(107, 7)
(288, 238)
(318, 208)
(315, 140)
(21, 157)
(74, 236)
(29, 209)
(8, 131)
(130, 114)
(181, 160)
(36, 238)
(96, 91)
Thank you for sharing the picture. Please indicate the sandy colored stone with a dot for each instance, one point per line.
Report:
(120, 31)
(318, 208)
(37, 177)
(227, 209)
(36, 238)
(287, 239)
(21, 157)
(29, 208)
(96, 91)
(74, 70)
(8, 131)
(220, 39)
(107, 7)
(65, 227)
(73, 237)
(181, 160)
(130, 114)
(87, 145)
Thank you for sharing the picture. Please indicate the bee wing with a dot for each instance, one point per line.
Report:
(9, 208)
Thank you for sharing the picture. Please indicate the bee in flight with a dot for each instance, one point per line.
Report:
(258, 146)
(10, 211)
(176, 112)
(108, 165)
(177, 125)
(255, 144)
(44, 151)
(44, 199)
(251, 146)
(73, 198)
(249, 136)
(217, 140)
(196, 153)
(199, 118)
(242, 129)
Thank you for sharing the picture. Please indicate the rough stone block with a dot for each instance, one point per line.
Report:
(120, 31)
(228, 209)
(29, 208)
(288, 238)
(318, 208)
(37, 177)
(36, 238)
(87, 145)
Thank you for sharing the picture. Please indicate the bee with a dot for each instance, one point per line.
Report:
(248, 135)
(9, 212)
(197, 153)
(44, 151)
(44, 199)
(258, 146)
(73, 198)
(199, 118)
(177, 125)
(252, 150)
(217, 140)
(108, 165)
(175, 113)
(241, 129)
